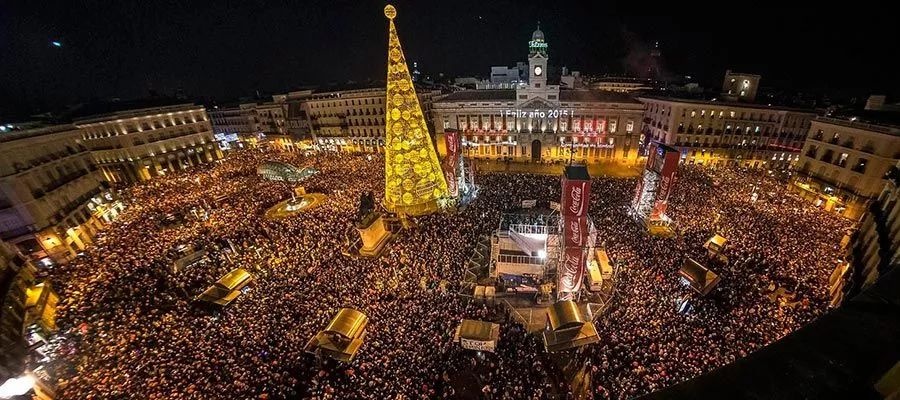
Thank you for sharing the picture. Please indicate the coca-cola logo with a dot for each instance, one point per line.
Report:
(572, 263)
(576, 195)
(451, 143)
(575, 230)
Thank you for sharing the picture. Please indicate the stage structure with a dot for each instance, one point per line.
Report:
(651, 195)
(459, 173)
(414, 181)
(525, 248)
(578, 232)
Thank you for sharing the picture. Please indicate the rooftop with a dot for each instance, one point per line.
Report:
(565, 95)
(719, 102)
(133, 112)
(35, 132)
(867, 119)
(99, 109)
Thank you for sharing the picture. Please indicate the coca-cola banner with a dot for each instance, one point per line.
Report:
(576, 191)
(575, 248)
(451, 163)
(570, 272)
(666, 181)
(575, 232)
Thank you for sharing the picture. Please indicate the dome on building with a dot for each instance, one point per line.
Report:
(538, 34)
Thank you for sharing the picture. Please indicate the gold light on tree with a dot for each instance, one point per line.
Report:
(413, 177)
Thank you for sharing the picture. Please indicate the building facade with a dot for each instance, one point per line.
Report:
(540, 121)
(351, 120)
(623, 84)
(232, 123)
(53, 198)
(269, 121)
(843, 163)
(137, 145)
(727, 133)
(27, 319)
(875, 247)
(740, 87)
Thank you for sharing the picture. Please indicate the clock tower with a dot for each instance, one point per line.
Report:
(537, 60)
(537, 93)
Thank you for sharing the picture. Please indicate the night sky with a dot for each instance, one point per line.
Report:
(226, 49)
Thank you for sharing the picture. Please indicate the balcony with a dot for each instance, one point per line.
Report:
(58, 183)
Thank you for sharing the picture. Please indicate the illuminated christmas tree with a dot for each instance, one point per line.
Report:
(413, 178)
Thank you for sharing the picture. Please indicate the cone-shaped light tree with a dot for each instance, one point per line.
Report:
(413, 177)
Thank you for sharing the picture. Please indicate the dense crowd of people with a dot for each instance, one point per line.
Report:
(130, 327)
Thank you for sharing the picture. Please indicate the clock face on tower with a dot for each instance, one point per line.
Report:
(538, 70)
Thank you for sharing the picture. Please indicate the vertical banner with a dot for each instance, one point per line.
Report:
(576, 191)
(451, 163)
(571, 270)
(667, 180)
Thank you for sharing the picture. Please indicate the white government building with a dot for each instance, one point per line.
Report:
(540, 121)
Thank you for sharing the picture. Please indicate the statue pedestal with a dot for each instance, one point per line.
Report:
(374, 235)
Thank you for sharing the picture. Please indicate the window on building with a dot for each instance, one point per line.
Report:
(860, 165)
(842, 161)
(629, 126)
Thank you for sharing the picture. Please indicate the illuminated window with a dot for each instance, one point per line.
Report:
(629, 126)
(731, 114)
(693, 113)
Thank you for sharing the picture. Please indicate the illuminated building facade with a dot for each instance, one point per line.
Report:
(727, 133)
(539, 121)
(413, 177)
(232, 123)
(137, 145)
(875, 248)
(740, 87)
(350, 119)
(844, 162)
(27, 315)
(53, 198)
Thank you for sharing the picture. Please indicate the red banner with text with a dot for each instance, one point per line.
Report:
(576, 195)
(666, 182)
(451, 163)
